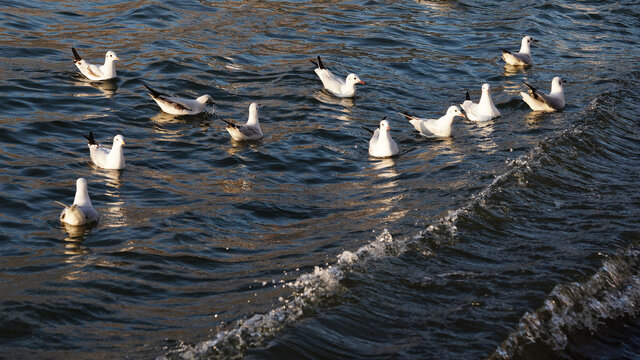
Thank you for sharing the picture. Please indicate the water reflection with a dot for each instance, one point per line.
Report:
(511, 70)
(386, 168)
(73, 242)
(107, 87)
(324, 97)
(484, 131)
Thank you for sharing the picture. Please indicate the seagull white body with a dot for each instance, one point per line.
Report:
(484, 110)
(106, 158)
(521, 58)
(539, 101)
(435, 127)
(381, 144)
(95, 72)
(179, 106)
(81, 212)
(246, 132)
(335, 85)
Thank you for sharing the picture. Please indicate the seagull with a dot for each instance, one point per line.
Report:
(484, 110)
(107, 159)
(335, 85)
(539, 101)
(435, 127)
(249, 131)
(179, 106)
(381, 144)
(81, 212)
(95, 72)
(521, 58)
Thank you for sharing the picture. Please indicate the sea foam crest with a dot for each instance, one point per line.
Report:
(612, 292)
(308, 289)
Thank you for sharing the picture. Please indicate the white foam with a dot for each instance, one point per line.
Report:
(612, 292)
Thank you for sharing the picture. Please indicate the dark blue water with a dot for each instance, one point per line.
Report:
(515, 239)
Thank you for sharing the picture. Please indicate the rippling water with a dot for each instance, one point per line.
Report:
(517, 238)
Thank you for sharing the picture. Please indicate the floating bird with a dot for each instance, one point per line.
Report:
(381, 144)
(81, 212)
(179, 106)
(521, 58)
(335, 85)
(435, 127)
(539, 101)
(95, 72)
(103, 157)
(484, 110)
(249, 131)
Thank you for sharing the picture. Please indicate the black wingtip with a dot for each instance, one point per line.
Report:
(529, 86)
(90, 139)
(76, 56)
(153, 92)
(229, 123)
(409, 117)
(369, 130)
(320, 64)
(466, 96)
(505, 51)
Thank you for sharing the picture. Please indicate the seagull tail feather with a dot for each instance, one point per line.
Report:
(76, 56)
(152, 92)
(90, 139)
(61, 204)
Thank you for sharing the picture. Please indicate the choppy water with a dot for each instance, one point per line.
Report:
(517, 238)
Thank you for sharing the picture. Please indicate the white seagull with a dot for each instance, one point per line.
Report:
(81, 212)
(539, 101)
(435, 127)
(381, 144)
(484, 110)
(179, 106)
(95, 72)
(335, 85)
(521, 58)
(249, 131)
(103, 157)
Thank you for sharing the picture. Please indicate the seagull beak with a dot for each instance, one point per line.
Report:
(361, 82)
(463, 115)
(116, 58)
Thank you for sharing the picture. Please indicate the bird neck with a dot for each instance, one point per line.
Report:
(556, 89)
(82, 198)
(485, 99)
(109, 68)
(253, 118)
(525, 48)
(384, 138)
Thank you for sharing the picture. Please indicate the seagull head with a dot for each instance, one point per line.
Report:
(486, 87)
(118, 140)
(384, 125)
(254, 107)
(354, 79)
(111, 56)
(81, 185)
(205, 99)
(455, 111)
(556, 83)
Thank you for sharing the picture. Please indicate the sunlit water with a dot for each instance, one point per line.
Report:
(516, 238)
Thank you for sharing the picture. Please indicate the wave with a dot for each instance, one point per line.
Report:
(612, 292)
